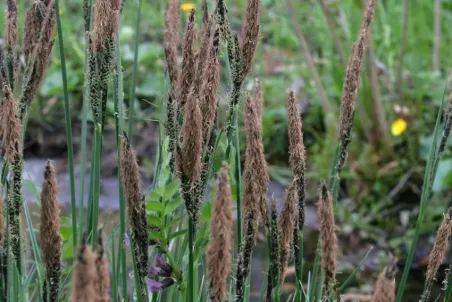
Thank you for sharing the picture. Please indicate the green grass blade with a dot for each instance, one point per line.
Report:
(134, 74)
(119, 120)
(96, 183)
(355, 271)
(426, 189)
(34, 245)
(67, 119)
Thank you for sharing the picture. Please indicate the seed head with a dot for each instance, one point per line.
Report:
(33, 19)
(384, 290)
(351, 80)
(105, 23)
(102, 278)
(219, 249)
(84, 275)
(190, 161)
(11, 23)
(440, 246)
(188, 60)
(209, 85)
(11, 126)
(256, 172)
(250, 35)
(50, 237)
(286, 226)
(325, 216)
(171, 40)
(130, 175)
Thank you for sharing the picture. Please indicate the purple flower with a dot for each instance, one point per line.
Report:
(154, 286)
(126, 240)
(160, 261)
(154, 271)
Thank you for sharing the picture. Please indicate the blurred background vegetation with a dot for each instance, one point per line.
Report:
(401, 88)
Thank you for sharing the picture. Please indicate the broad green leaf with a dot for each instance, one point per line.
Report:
(157, 193)
(177, 234)
(154, 220)
(172, 206)
(171, 189)
(154, 206)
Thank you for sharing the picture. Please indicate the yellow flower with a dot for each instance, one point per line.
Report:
(398, 127)
(187, 7)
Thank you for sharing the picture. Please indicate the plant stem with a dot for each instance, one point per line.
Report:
(96, 182)
(134, 75)
(429, 177)
(191, 281)
(67, 119)
(238, 177)
(119, 120)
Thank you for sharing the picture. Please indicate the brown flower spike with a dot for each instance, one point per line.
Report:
(439, 250)
(351, 81)
(220, 245)
(102, 279)
(286, 225)
(384, 290)
(190, 160)
(105, 23)
(10, 125)
(256, 171)
(11, 23)
(250, 35)
(171, 40)
(325, 216)
(84, 275)
(188, 60)
(50, 238)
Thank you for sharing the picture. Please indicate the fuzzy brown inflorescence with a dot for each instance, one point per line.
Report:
(84, 274)
(171, 40)
(11, 127)
(105, 23)
(39, 59)
(250, 35)
(325, 216)
(205, 46)
(102, 278)
(33, 21)
(50, 238)
(286, 225)
(189, 55)
(384, 290)
(298, 165)
(351, 82)
(191, 133)
(11, 38)
(255, 191)
(209, 85)
(220, 244)
(136, 207)
(256, 171)
(438, 252)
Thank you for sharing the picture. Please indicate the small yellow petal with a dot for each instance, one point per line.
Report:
(187, 7)
(398, 127)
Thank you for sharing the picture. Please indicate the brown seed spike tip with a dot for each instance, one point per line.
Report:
(188, 60)
(106, 22)
(32, 27)
(351, 81)
(11, 23)
(11, 126)
(256, 171)
(102, 279)
(296, 145)
(440, 246)
(84, 275)
(250, 35)
(131, 183)
(384, 290)
(325, 215)
(171, 40)
(220, 245)
(209, 86)
(50, 238)
(286, 225)
(191, 139)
